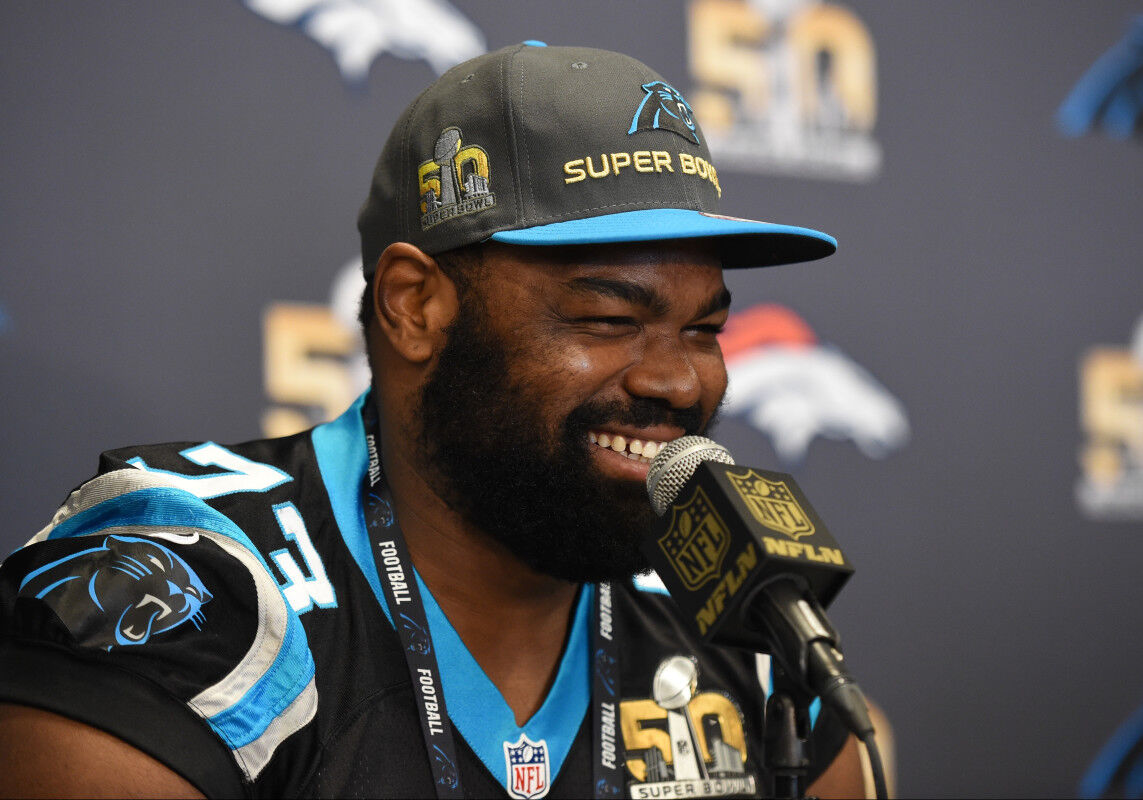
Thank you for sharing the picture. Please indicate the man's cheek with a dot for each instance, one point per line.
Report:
(572, 362)
(722, 387)
(715, 384)
(714, 377)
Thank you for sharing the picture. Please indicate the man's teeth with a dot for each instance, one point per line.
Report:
(636, 449)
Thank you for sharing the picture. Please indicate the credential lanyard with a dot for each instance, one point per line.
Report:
(608, 761)
(399, 582)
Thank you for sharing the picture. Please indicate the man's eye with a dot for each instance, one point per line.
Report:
(607, 322)
(710, 329)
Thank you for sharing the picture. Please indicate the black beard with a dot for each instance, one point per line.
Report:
(483, 440)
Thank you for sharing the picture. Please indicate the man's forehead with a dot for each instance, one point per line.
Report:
(683, 274)
(689, 251)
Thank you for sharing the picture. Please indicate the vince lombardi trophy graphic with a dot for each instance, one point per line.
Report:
(674, 686)
(447, 146)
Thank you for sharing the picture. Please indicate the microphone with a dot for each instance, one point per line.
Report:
(751, 565)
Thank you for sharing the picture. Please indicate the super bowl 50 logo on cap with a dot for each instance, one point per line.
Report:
(455, 181)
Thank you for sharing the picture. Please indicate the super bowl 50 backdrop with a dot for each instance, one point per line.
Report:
(959, 388)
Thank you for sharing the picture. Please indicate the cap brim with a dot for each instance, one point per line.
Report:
(744, 242)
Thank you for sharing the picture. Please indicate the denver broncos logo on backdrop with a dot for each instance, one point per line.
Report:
(121, 593)
(664, 108)
(793, 388)
(357, 31)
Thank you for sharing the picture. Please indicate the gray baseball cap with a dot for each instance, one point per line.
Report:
(542, 146)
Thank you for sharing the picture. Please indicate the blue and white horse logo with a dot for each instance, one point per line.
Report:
(123, 592)
(357, 31)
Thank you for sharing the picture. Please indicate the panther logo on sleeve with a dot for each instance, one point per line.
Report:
(123, 592)
(664, 108)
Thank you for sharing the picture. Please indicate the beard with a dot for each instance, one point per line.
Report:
(492, 459)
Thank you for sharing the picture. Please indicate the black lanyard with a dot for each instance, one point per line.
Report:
(607, 752)
(399, 582)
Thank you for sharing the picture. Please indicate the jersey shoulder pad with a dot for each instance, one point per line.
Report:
(138, 573)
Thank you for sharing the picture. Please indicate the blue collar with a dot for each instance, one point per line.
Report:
(476, 707)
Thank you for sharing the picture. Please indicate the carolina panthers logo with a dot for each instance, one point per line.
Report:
(449, 776)
(663, 108)
(605, 668)
(1110, 93)
(121, 593)
(419, 641)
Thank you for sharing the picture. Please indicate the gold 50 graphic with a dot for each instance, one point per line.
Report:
(306, 366)
(1111, 415)
(791, 89)
(648, 740)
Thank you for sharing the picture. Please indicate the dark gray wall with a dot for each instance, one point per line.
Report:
(169, 169)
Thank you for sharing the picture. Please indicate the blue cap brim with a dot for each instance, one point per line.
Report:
(744, 242)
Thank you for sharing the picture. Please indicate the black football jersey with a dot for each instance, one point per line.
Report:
(219, 608)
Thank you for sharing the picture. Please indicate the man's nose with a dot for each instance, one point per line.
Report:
(664, 371)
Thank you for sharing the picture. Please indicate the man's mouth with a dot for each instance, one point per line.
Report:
(641, 450)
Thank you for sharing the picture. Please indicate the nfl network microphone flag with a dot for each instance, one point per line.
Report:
(727, 531)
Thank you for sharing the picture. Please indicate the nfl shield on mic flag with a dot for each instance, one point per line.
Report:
(713, 558)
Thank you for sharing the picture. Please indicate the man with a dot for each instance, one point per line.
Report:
(545, 270)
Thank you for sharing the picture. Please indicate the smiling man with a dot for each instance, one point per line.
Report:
(433, 594)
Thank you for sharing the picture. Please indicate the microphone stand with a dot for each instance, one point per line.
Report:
(794, 628)
(804, 649)
(786, 737)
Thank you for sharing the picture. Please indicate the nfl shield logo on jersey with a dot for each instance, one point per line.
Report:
(528, 771)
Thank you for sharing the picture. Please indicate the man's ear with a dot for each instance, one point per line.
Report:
(414, 301)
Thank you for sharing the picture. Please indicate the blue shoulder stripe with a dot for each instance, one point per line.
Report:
(246, 720)
(160, 506)
(270, 693)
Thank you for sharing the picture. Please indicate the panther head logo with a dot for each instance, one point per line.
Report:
(664, 108)
(123, 592)
(419, 641)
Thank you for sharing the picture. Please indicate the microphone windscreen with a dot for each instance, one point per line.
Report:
(674, 465)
